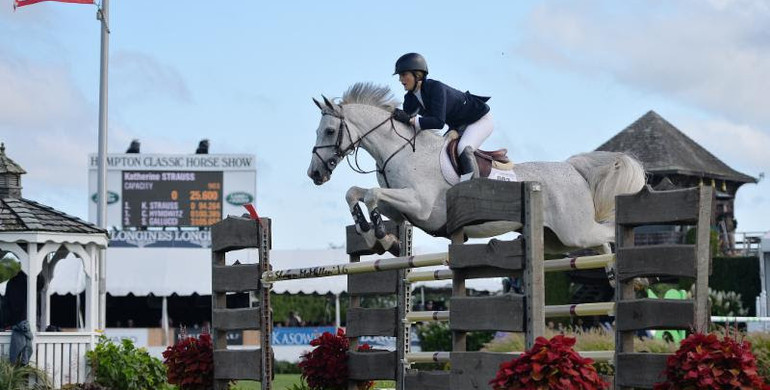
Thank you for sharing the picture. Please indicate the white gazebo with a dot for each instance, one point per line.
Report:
(39, 237)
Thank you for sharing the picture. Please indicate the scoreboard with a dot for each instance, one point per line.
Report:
(159, 191)
(170, 199)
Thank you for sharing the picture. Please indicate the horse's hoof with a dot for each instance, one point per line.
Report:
(363, 229)
(395, 249)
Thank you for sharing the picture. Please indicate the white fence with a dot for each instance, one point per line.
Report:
(61, 354)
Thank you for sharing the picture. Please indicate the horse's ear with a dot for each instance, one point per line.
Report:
(329, 103)
(317, 103)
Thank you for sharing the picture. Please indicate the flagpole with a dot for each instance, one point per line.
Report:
(103, 14)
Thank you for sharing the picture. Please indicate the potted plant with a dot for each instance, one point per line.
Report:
(326, 366)
(190, 363)
(549, 364)
(704, 361)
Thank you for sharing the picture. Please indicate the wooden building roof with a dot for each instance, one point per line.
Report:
(665, 150)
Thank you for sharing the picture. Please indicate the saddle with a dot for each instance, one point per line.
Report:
(487, 160)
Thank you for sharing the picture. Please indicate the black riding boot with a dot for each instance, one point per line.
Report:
(469, 168)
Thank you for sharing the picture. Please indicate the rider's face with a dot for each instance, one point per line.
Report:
(407, 80)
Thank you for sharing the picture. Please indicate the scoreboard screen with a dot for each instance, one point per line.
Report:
(171, 198)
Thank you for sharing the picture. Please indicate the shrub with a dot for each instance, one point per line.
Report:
(549, 364)
(84, 386)
(436, 336)
(125, 367)
(284, 367)
(760, 347)
(16, 377)
(706, 362)
(726, 303)
(326, 366)
(190, 363)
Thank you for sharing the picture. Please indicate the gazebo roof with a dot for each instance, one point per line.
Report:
(24, 215)
(664, 149)
(20, 215)
(7, 165)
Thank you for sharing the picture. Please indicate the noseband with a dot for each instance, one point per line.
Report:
(340, 153)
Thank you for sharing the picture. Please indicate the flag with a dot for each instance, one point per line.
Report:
(21, 3)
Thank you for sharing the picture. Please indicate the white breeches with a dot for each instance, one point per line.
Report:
(476, 133)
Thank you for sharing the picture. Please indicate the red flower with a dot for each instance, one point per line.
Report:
(549, 364)
(190, 363)
(706, 362)
(326, 366)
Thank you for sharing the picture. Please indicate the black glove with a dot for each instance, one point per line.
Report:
(401, 116)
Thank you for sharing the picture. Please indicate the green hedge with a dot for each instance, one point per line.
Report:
(739, 274)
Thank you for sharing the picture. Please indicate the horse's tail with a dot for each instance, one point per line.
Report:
(609, 174)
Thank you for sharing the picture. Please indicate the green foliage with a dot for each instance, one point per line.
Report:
(284, 367)
(557, 285)
(311, 308)
(739, 274)
(713, 240)
(760, 346)
(436, 336)
(299, 386)
(15, 377)
(9, 267)
(726, 303)
(84, 386)
(125, 367)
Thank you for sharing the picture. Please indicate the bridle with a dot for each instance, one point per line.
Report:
(354, 146)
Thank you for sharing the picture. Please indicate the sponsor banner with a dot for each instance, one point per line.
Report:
(379, 342)
(285, 336)
(160, 239)
(299, 335)
(234, 337)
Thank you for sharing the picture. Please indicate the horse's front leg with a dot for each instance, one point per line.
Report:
(400, 201)
(353, 197)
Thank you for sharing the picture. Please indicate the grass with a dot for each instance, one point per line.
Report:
(285, 381)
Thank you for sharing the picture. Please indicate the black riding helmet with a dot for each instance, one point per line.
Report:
(411, 62)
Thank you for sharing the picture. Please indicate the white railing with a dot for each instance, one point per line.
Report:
(61, 354)
(748, 243)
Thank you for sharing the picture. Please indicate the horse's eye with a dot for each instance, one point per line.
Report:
(330, 130)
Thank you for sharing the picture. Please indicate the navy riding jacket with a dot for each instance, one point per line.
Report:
(444, 104)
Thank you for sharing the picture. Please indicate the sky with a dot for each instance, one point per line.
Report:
(564, 78)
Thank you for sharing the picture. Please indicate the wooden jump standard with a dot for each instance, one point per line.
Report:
(482, 201)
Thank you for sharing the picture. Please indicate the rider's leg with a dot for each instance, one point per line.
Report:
(471, 139)
(476, 133)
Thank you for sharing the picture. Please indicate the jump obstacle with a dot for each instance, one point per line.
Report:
(512, 201)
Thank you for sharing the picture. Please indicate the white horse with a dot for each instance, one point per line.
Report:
(578, 195)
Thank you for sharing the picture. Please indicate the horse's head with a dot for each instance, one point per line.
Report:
(367, 108)
(332, 142)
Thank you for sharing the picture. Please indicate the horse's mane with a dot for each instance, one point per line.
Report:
(370, 94)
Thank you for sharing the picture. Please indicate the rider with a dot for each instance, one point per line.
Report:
(429, 104)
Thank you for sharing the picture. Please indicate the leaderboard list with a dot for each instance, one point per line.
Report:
(171, 199)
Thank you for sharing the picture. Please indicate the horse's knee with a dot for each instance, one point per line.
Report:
(354, 195)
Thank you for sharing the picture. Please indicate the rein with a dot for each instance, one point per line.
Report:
(354, 146)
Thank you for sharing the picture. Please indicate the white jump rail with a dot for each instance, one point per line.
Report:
(444, 357)
(362, 267)
(565, 264)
